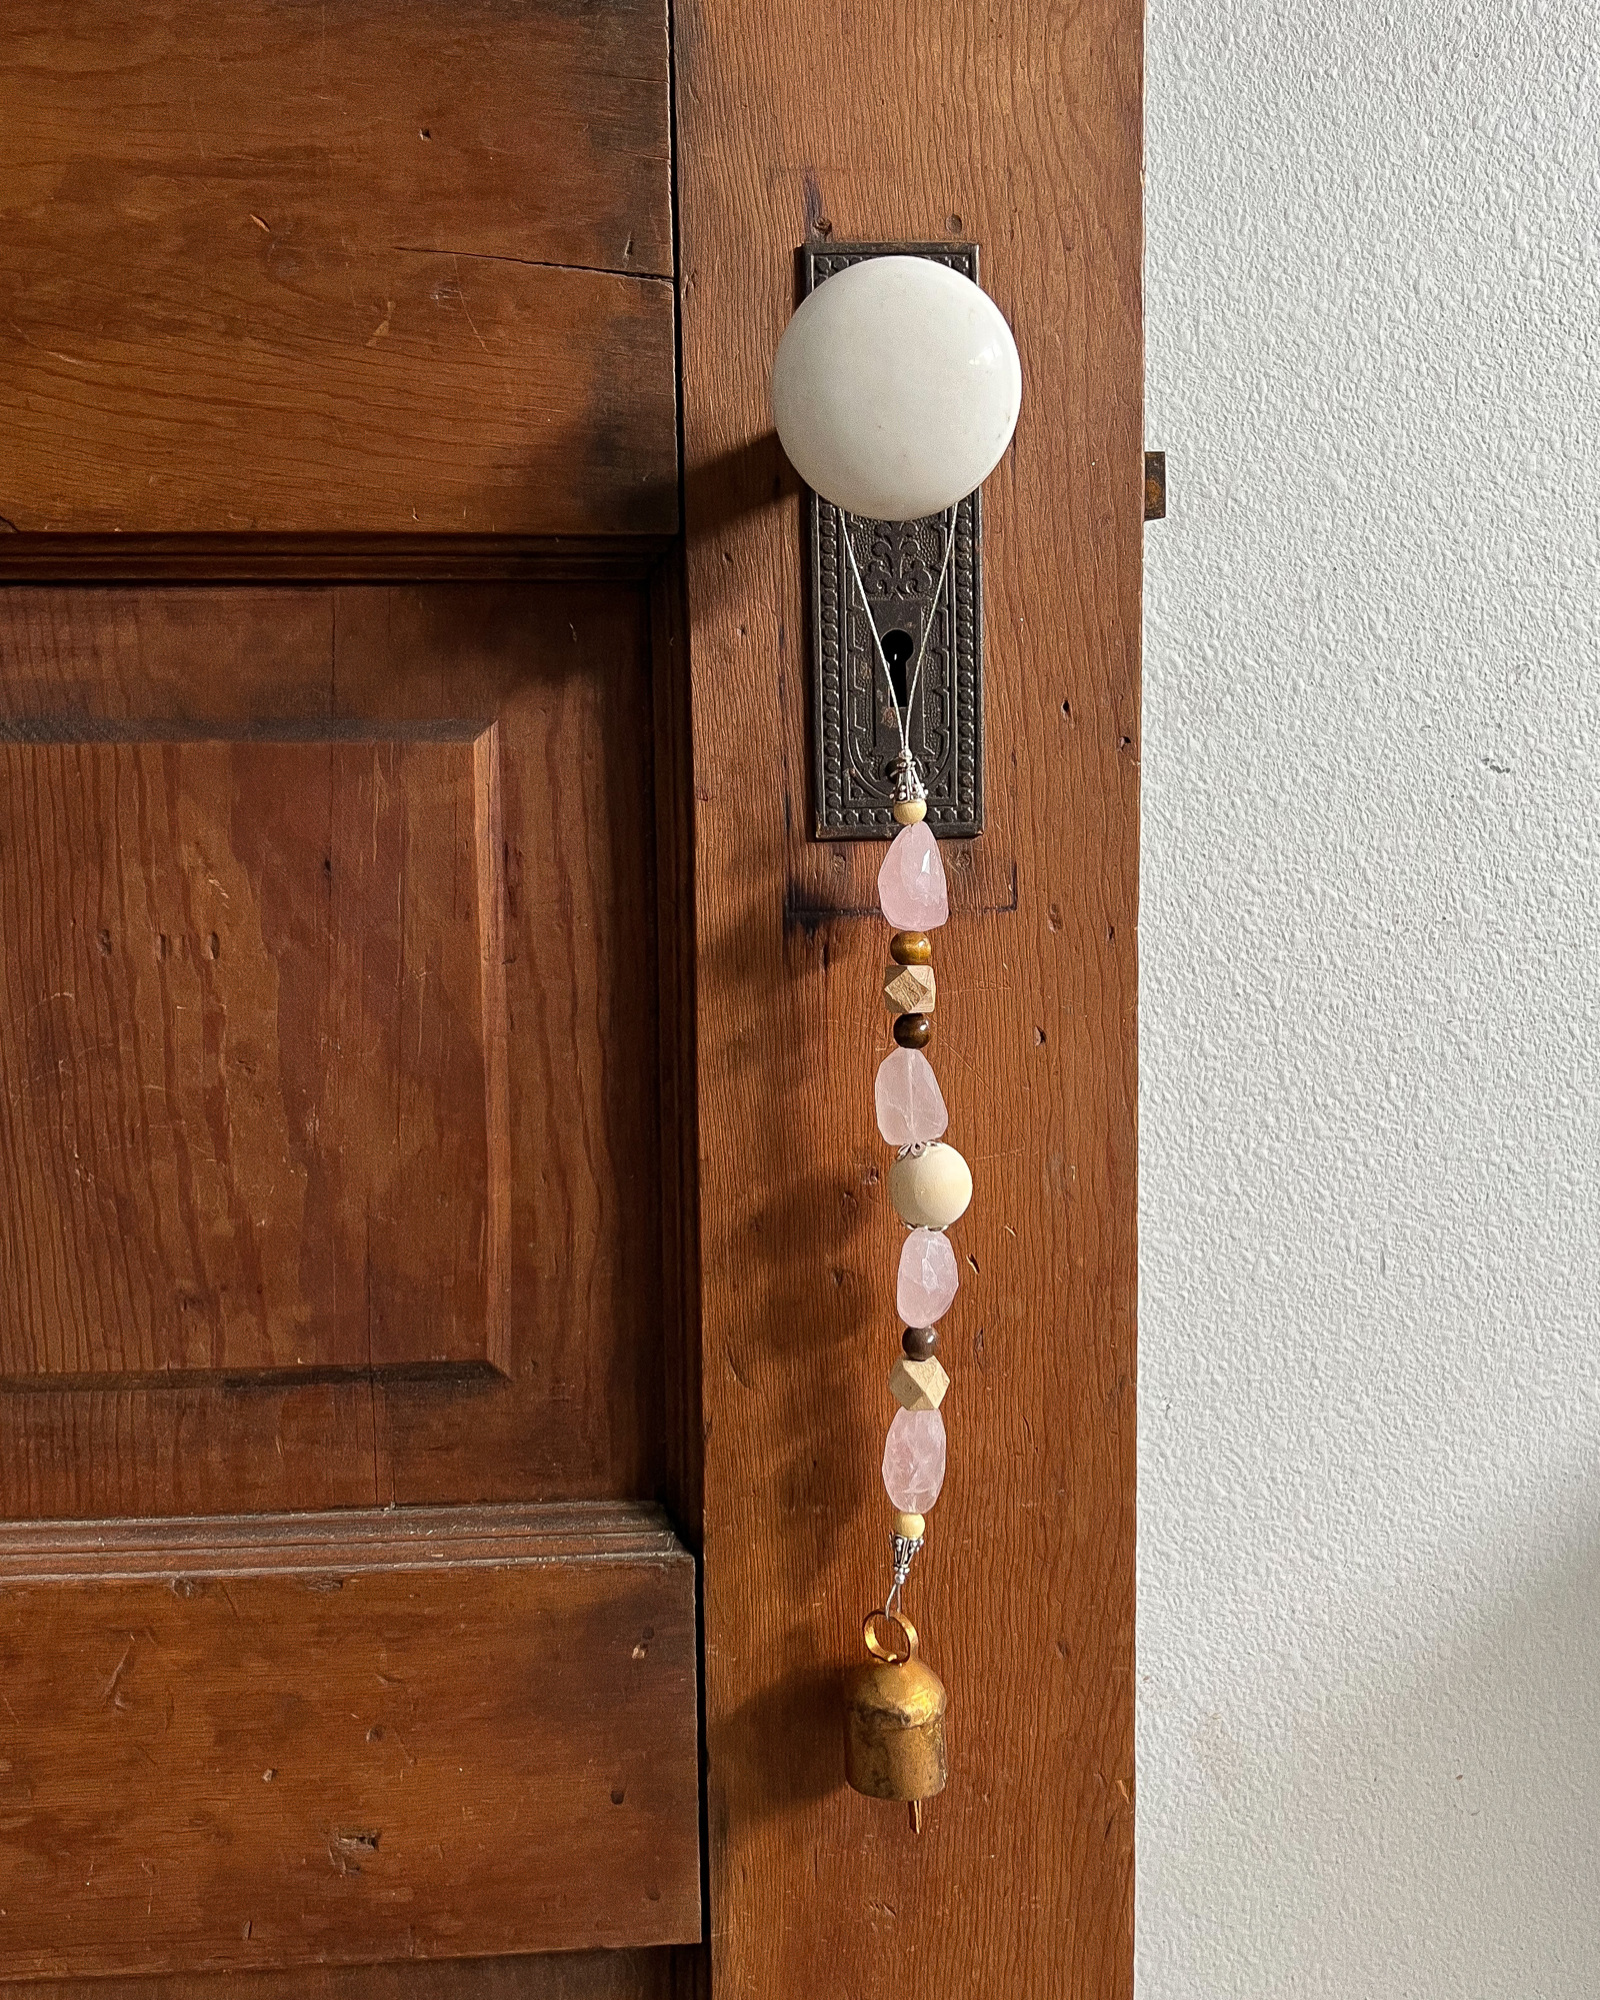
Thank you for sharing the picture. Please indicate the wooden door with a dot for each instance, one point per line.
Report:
(341, 1621)
(441, 1243)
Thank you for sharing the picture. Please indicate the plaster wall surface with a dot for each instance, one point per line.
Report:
(1369, 1685)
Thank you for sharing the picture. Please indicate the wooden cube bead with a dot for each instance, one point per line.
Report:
(908, 989)
(918, 1385)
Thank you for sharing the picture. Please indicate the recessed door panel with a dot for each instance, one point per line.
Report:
(249, 1027)
(329, 1048)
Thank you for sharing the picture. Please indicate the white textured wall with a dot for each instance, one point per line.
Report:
(1369, 1635)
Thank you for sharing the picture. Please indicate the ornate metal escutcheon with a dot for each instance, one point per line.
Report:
(855, 734)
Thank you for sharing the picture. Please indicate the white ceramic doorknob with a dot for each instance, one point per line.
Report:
(896, 388)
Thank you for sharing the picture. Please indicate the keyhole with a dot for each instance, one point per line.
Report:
(897, 651)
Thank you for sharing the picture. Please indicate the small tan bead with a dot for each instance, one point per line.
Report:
(908, 989)
(912, 1526)
(918, 1385)
(909, 811)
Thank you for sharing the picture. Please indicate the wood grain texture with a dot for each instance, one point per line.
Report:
(680, 1228)
(251, 1038)
(302, 269)
(556, 681)
(1019, 128)
(569, 683)
(569, 1975)
(342, 558)
(284, 1742)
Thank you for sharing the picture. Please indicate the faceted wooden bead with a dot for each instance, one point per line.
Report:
(930, 1189)
(920, 1343)
(911, 948)
(912, 1526)
(913, 1031)
(909, 989)
(918, 1385)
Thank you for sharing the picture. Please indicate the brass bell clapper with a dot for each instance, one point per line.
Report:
(895, 1708)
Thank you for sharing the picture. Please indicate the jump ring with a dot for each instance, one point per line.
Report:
(894, 1656)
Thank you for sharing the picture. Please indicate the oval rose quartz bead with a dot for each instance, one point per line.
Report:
(910, 1104)
(928, 1279)
(914, 1460)
(911, 888)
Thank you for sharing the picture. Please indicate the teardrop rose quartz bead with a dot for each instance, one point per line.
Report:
(914, 1460)
(911, 1110)
(928, 1277)
(911, 888)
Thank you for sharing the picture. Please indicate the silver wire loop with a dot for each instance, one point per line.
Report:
(907, 774)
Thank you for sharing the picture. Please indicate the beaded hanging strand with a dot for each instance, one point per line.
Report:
(895, 393)
(930, 1186)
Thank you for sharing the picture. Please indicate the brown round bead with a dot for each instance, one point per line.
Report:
(921, 1343)
(911, 948)
(913, 1031)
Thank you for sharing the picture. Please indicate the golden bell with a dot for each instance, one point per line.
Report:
(894, 1721)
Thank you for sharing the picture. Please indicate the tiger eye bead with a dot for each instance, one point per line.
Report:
(921, 1343)
(911, 948)
(913, 1031)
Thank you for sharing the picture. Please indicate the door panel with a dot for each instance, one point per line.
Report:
(330, 1178)
(246, 1057)
(329, 1048)
(293, 1740)
(299, 267)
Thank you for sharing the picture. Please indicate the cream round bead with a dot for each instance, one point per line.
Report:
(930, 1189)
(909, 811)
(912, 1526)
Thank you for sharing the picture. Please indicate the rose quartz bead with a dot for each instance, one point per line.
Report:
(928, 1277)
(911, 890)
(910, 1103)
(914, 1460)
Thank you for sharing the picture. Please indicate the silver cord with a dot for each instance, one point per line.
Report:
(927, 630)
(908, 775)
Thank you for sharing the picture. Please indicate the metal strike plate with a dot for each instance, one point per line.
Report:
(1155, 485)
(855, 736)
